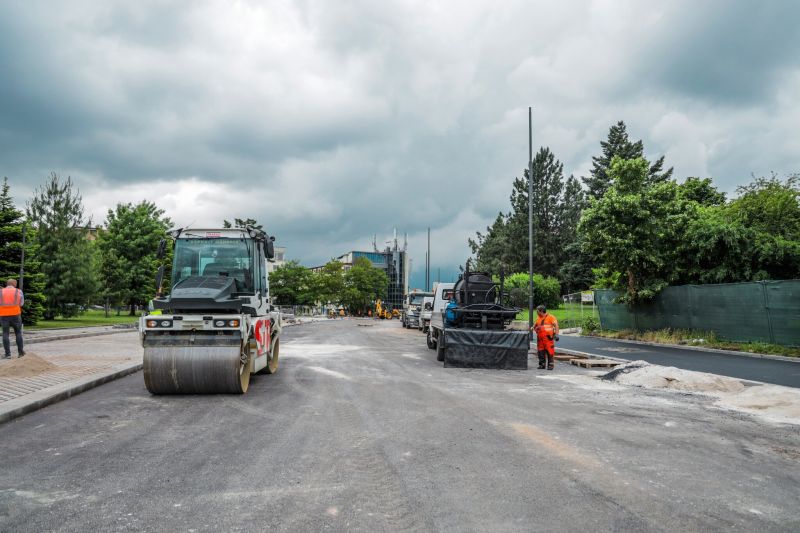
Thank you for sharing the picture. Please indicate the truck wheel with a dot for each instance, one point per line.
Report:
(429, 341)
(440, 348)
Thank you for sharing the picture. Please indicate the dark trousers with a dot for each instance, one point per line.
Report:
(12, 322)
(546, 357)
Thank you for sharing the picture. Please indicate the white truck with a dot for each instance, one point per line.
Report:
(425, 314)
(412, 306)
(442, 292)
(474, 331)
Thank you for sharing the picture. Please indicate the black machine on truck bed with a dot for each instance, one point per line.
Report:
(475, 333)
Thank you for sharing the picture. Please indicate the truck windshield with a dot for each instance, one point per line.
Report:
(415, 299)
(215, 257)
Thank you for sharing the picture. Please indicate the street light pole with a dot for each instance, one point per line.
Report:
(22, 261)
(530, 224)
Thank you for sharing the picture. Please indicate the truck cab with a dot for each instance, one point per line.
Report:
(412, 308)
(442, 293)
(425, 314)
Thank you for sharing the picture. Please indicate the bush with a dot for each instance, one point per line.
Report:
(590, 324)
(546, 290)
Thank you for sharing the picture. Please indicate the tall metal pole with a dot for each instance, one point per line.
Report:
(428, 266)
(22, 262)
(530, 223)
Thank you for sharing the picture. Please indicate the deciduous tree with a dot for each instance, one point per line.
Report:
(363, 284)
(128, 248)
(292, 284)
(636, 228)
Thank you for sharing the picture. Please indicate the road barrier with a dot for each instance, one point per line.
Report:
(759, 311)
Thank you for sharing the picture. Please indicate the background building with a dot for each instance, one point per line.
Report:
(393, 260)
(280, 259)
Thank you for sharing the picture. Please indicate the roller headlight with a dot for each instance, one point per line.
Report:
(152, 323)
(233, 323)
(219, 323)
(166, 323)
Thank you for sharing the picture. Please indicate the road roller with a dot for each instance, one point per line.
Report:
(217, 325)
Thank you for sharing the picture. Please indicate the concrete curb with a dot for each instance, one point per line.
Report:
(48, 338)
(36, 400)
(701, 349)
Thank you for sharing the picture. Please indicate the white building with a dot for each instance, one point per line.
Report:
(280, 259)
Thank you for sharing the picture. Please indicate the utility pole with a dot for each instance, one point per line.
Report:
(22, 262)
(530, 224)
(428, 263)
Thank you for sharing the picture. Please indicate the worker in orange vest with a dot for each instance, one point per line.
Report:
(546, 328)
(11, 302)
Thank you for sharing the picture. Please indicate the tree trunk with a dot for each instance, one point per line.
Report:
(631, 284)
(133, 308)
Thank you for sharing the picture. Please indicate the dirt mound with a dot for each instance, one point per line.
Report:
(642, 374)
(25, 367)
(776, 403)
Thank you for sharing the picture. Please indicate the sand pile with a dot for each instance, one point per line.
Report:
(643, 374)
(771, 402)
(25, 367)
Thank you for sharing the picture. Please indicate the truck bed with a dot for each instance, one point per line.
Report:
(482, 348)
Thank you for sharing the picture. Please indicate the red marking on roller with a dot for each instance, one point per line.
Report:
(262, 334)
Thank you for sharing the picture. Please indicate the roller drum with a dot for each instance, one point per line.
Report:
(195, 369)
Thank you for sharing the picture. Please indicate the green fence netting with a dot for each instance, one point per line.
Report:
(760, 311)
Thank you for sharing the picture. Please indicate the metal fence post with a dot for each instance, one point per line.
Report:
(766, 312)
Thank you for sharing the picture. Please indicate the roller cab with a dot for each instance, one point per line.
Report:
(217, 326)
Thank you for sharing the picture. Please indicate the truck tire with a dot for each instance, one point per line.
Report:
(429, 341)
(440, 348)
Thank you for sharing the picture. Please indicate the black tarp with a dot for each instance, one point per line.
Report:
(481, 348)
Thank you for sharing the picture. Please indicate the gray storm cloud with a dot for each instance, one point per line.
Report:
(334, 121)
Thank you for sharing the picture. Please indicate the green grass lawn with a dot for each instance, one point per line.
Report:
(568, 315)
(89, 318)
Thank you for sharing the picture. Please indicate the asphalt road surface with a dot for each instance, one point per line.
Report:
(777, 372)
(362, 430)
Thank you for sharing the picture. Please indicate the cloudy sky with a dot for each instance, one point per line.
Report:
(331, 121)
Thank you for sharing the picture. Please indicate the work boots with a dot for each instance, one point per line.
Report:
(542, 360)
(551, 362)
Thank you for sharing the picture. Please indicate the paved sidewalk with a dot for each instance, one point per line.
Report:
(57, 369)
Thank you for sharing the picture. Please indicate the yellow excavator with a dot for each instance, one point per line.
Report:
(381, 311)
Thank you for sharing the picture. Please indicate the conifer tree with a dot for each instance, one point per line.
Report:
(12, 227)
(618, 144)
(56, 212)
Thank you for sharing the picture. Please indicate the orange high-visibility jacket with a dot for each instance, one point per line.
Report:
(546, 327)
(11, 301)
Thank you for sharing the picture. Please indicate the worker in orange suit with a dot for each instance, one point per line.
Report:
(546, 329)
(11, 302)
